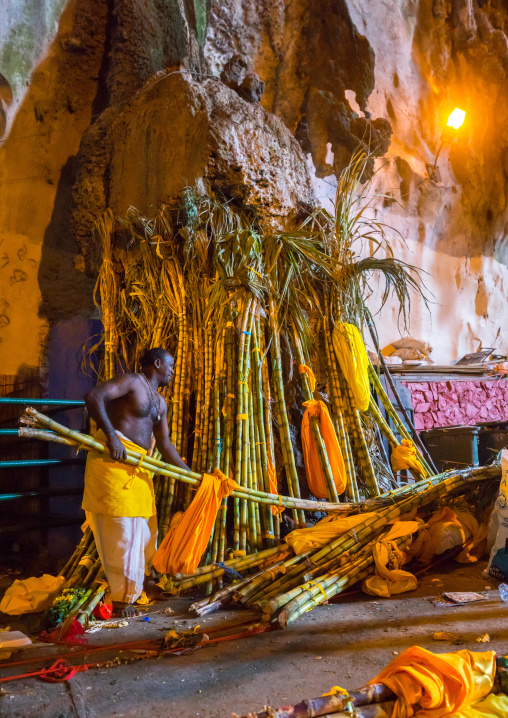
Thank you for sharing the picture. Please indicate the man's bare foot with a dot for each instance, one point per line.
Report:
(152, 590)
(124, 610)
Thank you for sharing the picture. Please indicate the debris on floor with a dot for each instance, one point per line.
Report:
(417, 682)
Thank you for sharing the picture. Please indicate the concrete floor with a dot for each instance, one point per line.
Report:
(345, 643)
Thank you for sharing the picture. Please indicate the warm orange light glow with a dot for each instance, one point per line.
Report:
(456, 118)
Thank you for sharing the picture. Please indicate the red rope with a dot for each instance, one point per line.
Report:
(150, 643)
(61, 671)
(57, 673)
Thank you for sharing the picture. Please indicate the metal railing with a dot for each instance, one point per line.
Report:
(29, 523)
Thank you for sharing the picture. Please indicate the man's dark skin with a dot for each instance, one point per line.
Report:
(126, 404)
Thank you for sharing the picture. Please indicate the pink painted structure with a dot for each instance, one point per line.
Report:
(450, 403)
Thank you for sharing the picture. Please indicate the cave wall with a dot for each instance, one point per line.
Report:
(431, 57)
(54, 97)
(124, 105)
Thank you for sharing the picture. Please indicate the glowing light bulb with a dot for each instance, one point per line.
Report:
(456, 118)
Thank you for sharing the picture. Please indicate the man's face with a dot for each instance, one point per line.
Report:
(167, 369)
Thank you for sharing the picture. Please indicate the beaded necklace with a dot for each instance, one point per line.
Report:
(153, 394)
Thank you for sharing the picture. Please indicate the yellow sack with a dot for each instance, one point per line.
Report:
(404, 457)
(189, 533)
(477, 545)
(431, 686)
(448, 528)
(354, 362)
(315, 474)
(490, 707)
(31, 595)
(387, 581)
(324, 532)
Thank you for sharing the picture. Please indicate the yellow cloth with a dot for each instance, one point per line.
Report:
(404, 457)
(304, 369)
(188, 536)
(389, 349)
(116, 489)
(354, 362)
(315, 474)
(448, 528)
(143, 600)
(31, 595)
(430, 686)
(387, 581)
(490, 707)
(324, 532)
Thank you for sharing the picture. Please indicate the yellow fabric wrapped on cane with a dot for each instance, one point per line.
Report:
(31, 595)
(274, 489)
(404, 457)
(188, 536)
(272, 477)
(304, 369)
(388, 581)
(116, 489)
(324, 532)
(315, 474)
(430, 686)
(354, 362)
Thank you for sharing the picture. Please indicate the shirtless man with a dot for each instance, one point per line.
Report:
(119, 499)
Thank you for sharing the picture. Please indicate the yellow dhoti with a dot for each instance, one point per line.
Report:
(119, 503)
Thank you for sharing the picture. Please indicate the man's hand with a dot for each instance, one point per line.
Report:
(116, 448)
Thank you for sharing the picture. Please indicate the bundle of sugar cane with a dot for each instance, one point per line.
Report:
(204, 574)
(205, 278)
(81, 573)
(283, 592)
(235, 304)
(250, 586)
(294, 603)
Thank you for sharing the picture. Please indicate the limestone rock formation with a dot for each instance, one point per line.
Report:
(178, 132)
(103, 111)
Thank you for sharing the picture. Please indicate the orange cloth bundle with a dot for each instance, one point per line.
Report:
(188, 536)
(431, 686)
(315, 475)
(404, 457)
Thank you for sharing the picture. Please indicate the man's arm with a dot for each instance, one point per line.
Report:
(161, 434)
(95, 402)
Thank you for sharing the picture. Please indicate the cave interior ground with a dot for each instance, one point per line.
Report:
(346, 642)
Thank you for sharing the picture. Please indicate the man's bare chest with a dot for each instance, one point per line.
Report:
(136, 406)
